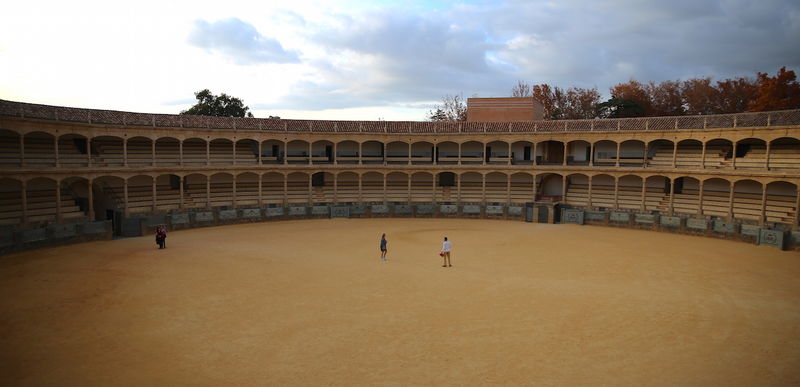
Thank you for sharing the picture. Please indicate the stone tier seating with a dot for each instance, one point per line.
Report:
(780, 157)
(39, 152)
(41, 206)
(690, 157)
(110, 153)
(629, 197)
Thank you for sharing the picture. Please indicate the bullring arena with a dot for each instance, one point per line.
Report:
(651, 251)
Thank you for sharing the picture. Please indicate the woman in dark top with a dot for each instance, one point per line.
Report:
(383, 248)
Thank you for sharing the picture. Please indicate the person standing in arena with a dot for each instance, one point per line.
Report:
(383, 248)
(446, 246)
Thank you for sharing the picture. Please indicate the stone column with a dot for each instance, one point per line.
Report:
(566, 151)
(360, 154)
(360, 193)
(154, 203)
(208, 152)
(91, 200)
(700, 199)
(591, 154)
(508, 189)
(703, 157)
(483, 188)
(233, 191)
(730, 201)
(285, 153)
(564, 188)
(310, 189)
(459, 153)
(234, 151)
(409, 188)
(208, 191)
(766, 162)
(55, 149)
(509, 153)
(484, 156)
(534, 188)
(180, 192)
(153, 152)
(285, 190)
(335, 154)
(58, 201)
(589, 201)
(763, 217)
(644, 194)
(260, 188)
(733, 156)
(309, 153)
(644, 156)
(616, 192)
(409, 153)
(88, 151)
(458, 188)
(619, 145)
(674, 155)
(335, 189)
(671, 195)
(180, 152)
(125, 152)
(533, 156)
(125, 196)
(433, 196)
(385, 197)
(796, 208)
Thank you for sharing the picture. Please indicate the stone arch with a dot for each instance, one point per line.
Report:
(716, 197)
(397, 152)
(397, 186)
(605, 153)
(140, 151)
(221, 189)
(747, 195)
(577, 193)
(629, 192)
(247, 190)
(496, 190)
(108, 151)
(447, 152)
(72, 150)
(347, 186)
(521, 187)
(472, 152)
(272, 151)
(322, 152)
(140, 194)
(422, 187)
(168, 151)
(272, 188)
(781, 202)
(497, 152)
(719, 152)
(522, 153)
(297, 187)
(470, 187)
(632, 153)
(372, 187)
(550, 186)
(297, 152)
(246, 151)
(578, 152)
(39, 149)
(220, 151)
(194, 151)
(10, 155)
(11, 196)
(660, 152)
(422, 152)
(602, 188)
(347, 152)
(784, 154)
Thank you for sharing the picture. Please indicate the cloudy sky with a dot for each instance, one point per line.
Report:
(367, 60)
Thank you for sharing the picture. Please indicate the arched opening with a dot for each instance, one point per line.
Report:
(297, 152)
(751, 153)
(784, 154)
(781, 202)
(74, 193)
(497, 152)
(747, 200)
(322, 152)
(603, 191)
(108, 150)
(397, 187)
(372, 152)
(194, 152)
(521, 187)
(471, 187)
(447, 153)
(716, 197)
(272, 152)
(631, 153)
(550, 153)
(168, 194)
(247, 152)
(718, 154)
(272, 188)
(422, 187)
(686, 196)
(397, 152)
(577, 190)
(220, 152)
(11, 198)
(194, 190)
(472, 152)
(445, 187)
(168, 151)
(297, 187)
(347, 152)
(140, 194)
(629, 192)
(110, 198)
(372, 187)
(247, 189)
(322, 187)
(222, 189)
(496, 187)
(347, 187)
(422, 152)
(521, 153)
(549, 187)
(39, 150)
(578, 152)
(659, 153)
(605, 153)
(689, 154)
(72, 150)
(10, 155)
(657, 194)
(140, 151)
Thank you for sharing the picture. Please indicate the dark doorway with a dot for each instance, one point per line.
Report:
(318, 179)
(526, 153)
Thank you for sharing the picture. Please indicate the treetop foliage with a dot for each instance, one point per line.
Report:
(452, 108)
(221, 105)
(668, 98)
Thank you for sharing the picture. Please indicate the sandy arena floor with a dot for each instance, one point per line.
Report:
(308, 303)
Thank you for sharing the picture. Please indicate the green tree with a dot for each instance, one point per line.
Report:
(453, 108)
(221, 105)
(619, 108)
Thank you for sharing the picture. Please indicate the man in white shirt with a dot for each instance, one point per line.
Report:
(446, 246)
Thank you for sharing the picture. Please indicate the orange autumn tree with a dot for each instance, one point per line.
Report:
(776, 93)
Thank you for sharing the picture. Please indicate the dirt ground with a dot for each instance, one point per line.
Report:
(309, 303)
